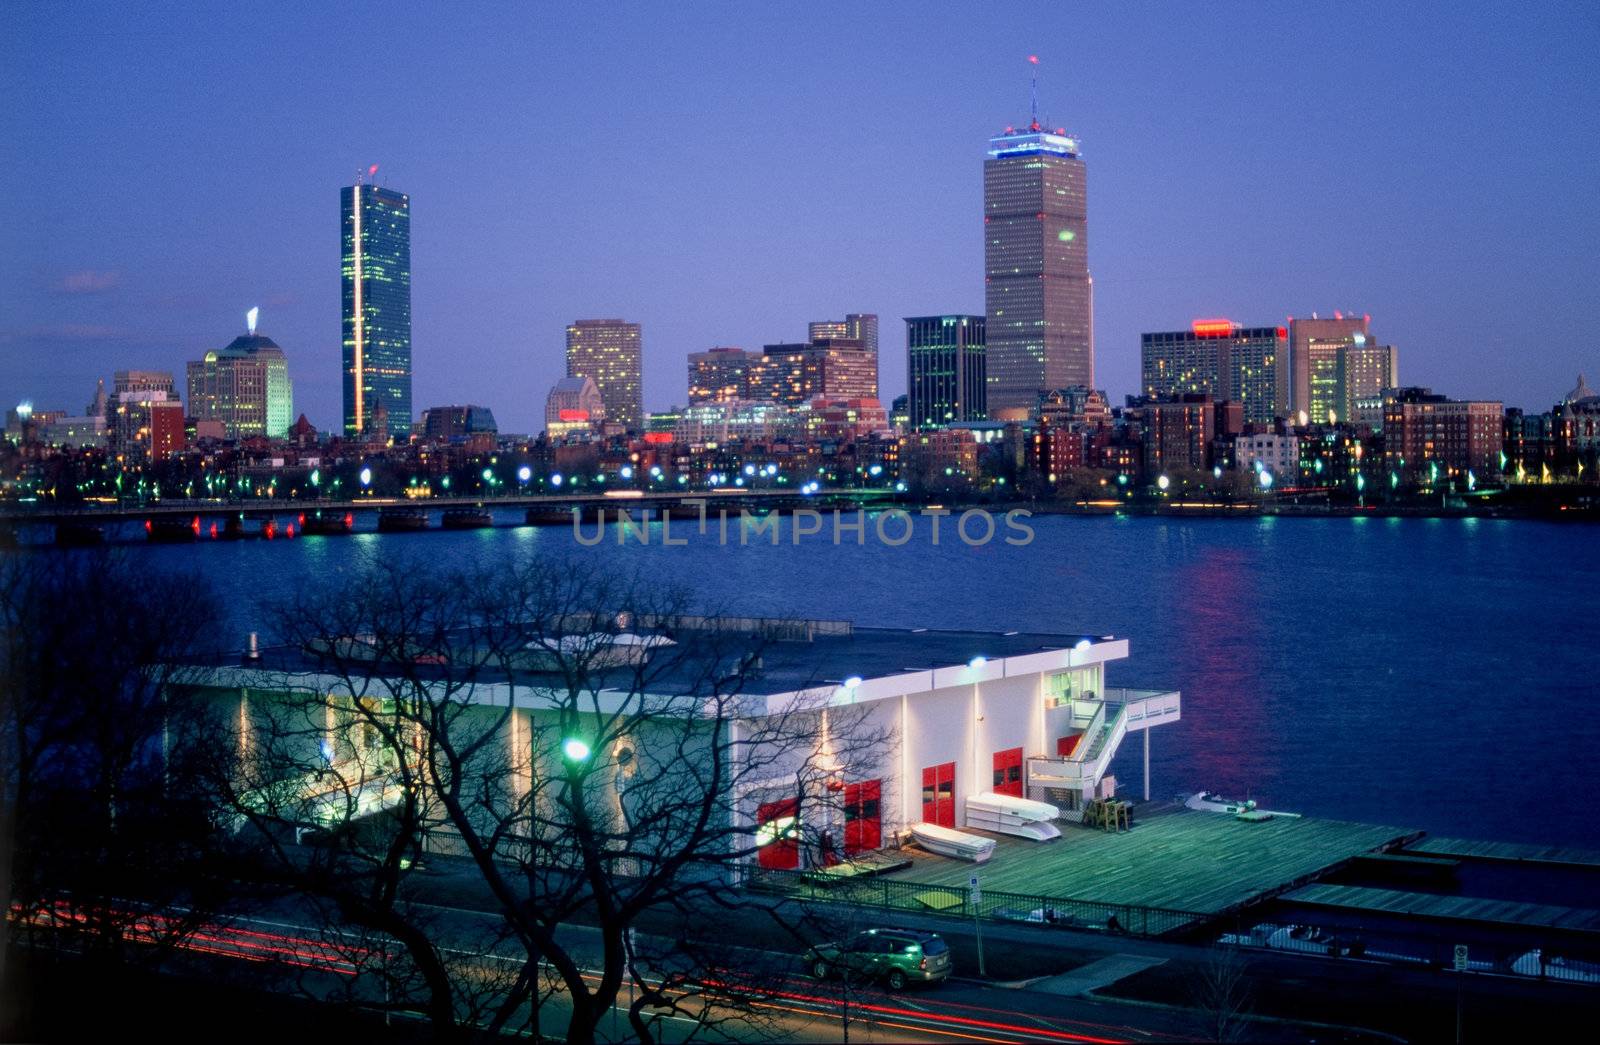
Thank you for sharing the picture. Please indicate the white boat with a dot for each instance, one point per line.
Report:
(949, 842)
(1210, 802)
(1008, 814)
(1553, 967)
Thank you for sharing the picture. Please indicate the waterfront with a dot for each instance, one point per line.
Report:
(1426, 673)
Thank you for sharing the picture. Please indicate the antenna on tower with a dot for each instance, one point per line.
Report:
(1033, 60)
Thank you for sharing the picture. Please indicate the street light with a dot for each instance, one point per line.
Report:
(575, 750)
(366, 477)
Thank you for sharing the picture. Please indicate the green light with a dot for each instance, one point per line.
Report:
(316, 477)
(1066, 235)
(575, 750)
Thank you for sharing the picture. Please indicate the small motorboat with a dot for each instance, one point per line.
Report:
(947, 841)
(1010, 815)
(1210, 802)
(1244, 809)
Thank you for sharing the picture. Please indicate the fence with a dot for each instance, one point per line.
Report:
(1574, 960)
(895, 894)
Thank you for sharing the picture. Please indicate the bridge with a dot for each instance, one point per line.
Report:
(189, 519)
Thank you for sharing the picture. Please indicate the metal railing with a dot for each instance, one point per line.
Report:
(896, 894)
(1147, 707)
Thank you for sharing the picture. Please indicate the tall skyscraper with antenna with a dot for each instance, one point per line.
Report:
(376, 275)
(1038, 296)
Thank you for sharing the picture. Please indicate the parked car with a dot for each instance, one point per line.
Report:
(893, 957)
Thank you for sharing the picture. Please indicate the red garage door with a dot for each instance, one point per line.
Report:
(863, 818)
(1008, 772)
(778, 835)
(939, 794)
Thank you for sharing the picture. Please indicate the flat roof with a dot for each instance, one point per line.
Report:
(835, 652)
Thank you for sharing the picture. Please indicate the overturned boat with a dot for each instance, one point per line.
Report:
(947, 841)
(1010, 815)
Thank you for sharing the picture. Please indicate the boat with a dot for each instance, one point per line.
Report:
(1243, 809)
(402, 520)
(947, 841)
(466, 519)
(1555, 967)
(1010, 815)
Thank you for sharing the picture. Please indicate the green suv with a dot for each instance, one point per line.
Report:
(895, 957)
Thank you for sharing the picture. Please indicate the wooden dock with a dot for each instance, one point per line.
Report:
(1205, 863)
(1452, 908)
(1512, 852)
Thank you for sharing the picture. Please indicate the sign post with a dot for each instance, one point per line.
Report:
(1461, 967)
(975, 894)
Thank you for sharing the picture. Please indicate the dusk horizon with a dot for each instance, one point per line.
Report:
(699, 177)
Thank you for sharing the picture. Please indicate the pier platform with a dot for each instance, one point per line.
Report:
(1437, 907)
(1204, 864)
(1511, 852)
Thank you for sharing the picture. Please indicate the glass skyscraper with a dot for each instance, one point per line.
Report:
(1036, 267)
(946, 370)
(376, 272)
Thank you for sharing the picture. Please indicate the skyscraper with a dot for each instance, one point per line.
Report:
(836, 368)
(245, 386)
(856, 326)
(945, 370)
(609, 352)
(1312, 338)
(720, 374)
(376, 273)
(1218, 357)
(1037, 292)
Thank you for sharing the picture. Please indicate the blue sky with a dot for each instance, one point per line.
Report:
(725, 173)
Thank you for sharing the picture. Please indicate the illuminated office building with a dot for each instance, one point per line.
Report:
(1313, 350)
(1038, 297)
(856, 326)
(946, 370)
(1219, 358)
(244, 386)
(609, 352)
(376, 275)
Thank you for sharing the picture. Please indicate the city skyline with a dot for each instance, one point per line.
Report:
(1462, 290)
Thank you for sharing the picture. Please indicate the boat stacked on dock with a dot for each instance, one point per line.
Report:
(1010, 815)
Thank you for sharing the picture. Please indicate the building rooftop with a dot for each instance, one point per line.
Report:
(793, 655)
(1033, 140)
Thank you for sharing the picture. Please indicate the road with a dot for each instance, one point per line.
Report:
(786, 1006)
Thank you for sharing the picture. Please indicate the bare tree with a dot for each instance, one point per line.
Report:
(586, 746)
(105, 823)
(1220, 989)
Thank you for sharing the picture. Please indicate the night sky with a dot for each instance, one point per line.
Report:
(724, 174)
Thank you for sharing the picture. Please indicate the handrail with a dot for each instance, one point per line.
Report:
(1096, 722)
(1113, 740)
